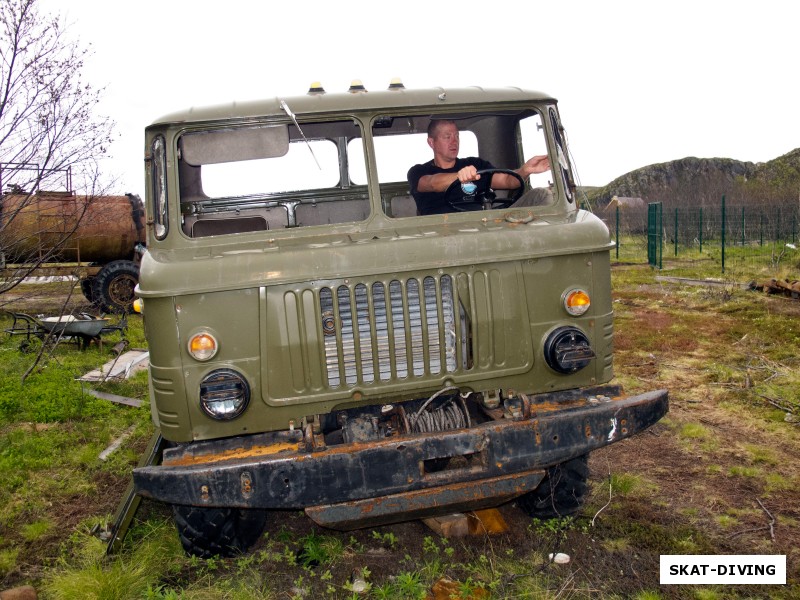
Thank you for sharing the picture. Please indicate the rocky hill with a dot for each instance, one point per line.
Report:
(701, 177)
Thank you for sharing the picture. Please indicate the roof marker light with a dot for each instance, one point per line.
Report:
(356, 86)
(396, 84)
(316, 88)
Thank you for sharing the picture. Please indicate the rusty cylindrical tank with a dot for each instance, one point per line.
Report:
(58, 227)
(91, 229)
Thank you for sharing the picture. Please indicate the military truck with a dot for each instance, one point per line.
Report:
(317, 345)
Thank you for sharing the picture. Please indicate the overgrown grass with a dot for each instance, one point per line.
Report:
(728, 357)
(51, 434)
(741, 263)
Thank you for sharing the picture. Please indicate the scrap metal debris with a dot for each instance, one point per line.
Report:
(784, 287)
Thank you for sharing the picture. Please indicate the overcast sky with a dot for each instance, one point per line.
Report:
(638, 82)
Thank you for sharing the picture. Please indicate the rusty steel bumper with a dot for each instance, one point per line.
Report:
(392, 479)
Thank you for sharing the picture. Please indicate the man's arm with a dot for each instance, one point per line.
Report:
(537, 164)
(503, 181)
(436, 183)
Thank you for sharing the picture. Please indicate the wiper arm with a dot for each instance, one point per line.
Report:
(289, 112)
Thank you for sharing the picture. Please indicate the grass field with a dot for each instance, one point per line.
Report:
(718, 475)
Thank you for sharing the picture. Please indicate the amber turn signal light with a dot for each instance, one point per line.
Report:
(203, 346)
(577, 302)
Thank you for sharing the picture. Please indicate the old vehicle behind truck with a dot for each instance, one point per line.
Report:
(316, 345)
(56, 232)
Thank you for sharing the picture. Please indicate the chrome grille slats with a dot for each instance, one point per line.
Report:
(412, 333)
(353, 338)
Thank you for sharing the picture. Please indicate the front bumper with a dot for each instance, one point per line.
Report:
(392, 479)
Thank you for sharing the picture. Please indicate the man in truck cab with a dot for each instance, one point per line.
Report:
(432, 183)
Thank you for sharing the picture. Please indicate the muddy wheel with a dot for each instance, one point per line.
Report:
(207, 532)
(112, 287)
(561, 493)
(87, 290)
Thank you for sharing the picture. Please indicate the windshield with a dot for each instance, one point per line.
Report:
(419, 158)
(257, 178)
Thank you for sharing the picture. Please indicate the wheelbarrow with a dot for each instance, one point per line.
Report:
(83, 327)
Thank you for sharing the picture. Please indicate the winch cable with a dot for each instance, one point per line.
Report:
(447, 417)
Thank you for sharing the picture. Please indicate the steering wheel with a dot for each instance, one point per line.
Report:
(485, 198)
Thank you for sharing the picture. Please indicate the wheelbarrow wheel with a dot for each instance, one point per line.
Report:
(28, 346)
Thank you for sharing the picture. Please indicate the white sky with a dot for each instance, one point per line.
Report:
(638, 82)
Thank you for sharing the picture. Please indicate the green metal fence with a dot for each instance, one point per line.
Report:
(655, 234)
(751, 240)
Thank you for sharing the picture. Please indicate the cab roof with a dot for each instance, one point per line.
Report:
(353, 102)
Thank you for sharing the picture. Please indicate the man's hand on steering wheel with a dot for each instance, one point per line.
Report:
(484, 196)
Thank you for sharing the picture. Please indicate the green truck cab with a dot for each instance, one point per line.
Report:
(316, 344)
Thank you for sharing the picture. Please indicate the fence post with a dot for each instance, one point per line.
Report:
(676, 232)
(743, 227)
(655, 234)
(701, 230)
(617, 235)
(723, 233)
(761, 235)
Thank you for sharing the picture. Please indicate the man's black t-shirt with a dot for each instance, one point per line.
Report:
(434, 203)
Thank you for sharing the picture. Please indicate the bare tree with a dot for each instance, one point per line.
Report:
(50, 138)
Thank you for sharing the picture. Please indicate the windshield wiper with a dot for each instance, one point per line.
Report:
(289, 112)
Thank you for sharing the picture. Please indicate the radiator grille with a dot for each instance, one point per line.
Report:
(371, 332)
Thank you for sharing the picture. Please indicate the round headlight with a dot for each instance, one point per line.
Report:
(577, 302)
(203, 346)
(567, 350)
(224, 394)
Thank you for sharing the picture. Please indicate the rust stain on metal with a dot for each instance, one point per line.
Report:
(235, 454)
(247, 484)
(295, 450)
(461, 496)
(537, 433)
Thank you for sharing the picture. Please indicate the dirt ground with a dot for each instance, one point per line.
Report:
(718, 476)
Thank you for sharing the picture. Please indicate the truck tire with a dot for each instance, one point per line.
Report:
(225, 532)
(87, 289)
(112, 287)
(561, 493)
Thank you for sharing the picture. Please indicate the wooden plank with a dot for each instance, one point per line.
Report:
(449, 526)
(479, 522)
(120, 367)
(114, 446)
(115, 398)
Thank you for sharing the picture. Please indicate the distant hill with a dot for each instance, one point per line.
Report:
(691, 179)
